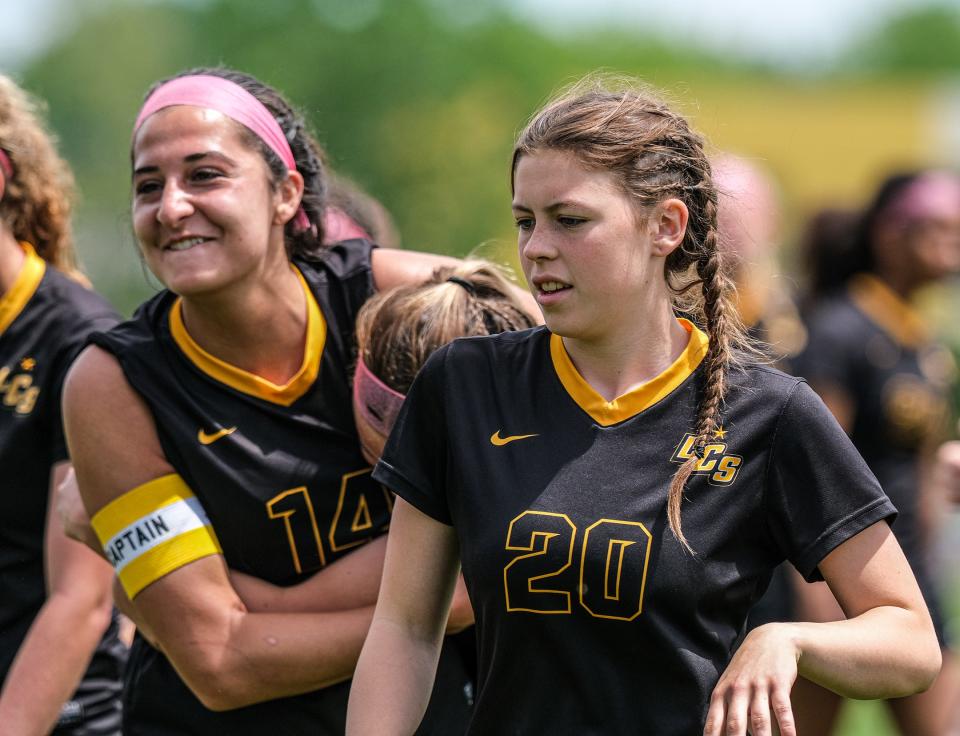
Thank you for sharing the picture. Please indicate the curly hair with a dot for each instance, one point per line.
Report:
(38, 197)
(621, 126)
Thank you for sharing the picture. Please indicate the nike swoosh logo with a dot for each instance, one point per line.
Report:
(496, 439)
(206, 439)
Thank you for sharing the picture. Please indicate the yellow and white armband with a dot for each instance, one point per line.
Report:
(152, 530)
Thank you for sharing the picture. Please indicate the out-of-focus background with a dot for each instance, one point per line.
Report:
(419, 101)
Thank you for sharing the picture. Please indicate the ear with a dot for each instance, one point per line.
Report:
(668, 225)
(288, 195)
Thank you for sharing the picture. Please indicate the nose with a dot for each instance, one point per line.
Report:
(175, 205)
(536, 245)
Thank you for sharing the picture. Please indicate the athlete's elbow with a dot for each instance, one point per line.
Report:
(220, 689)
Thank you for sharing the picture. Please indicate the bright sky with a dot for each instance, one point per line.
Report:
(799, 32)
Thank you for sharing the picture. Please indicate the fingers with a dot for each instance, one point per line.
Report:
(783, 711)
(738, 709)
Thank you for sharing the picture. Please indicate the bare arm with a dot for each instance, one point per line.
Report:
(57, 649)
(350, 582)
(392, 684)
(886, 648)
(228, 656)
(400, 267)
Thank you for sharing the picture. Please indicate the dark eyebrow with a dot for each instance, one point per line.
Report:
(562, 204)
(192, 158)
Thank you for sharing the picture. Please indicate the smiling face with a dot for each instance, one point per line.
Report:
(594, 265)
(205, 212)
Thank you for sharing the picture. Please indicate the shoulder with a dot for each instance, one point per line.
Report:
(343, 260)
(502, 349)
(486, 358)
(74, 309)
(836, 317)
(138, 332)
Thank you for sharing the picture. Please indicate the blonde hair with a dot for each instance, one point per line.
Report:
(397, 330)
(38, 198)
(620, 126)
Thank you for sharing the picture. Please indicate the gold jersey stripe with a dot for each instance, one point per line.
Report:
(888, 311)
(250, 383)
(638, 399)
(26, 283)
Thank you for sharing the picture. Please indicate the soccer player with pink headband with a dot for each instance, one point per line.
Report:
(215, 428)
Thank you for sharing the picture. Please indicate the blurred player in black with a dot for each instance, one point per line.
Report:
(60, 660)
(873, 361)
(620, 484)
(216, 427)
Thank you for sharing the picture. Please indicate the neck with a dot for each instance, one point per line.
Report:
(11, 259)
(616, 365)
(259, 327)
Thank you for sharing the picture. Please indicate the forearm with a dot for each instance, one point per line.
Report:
(258, 657)
(49, 665)
(393, 681)
(349, 583)
(885, 652)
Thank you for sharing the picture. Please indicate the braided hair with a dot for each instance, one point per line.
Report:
(308, 154)
(622, 127)
(397, 330)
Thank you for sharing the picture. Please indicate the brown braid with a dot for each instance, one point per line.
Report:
(622, 127)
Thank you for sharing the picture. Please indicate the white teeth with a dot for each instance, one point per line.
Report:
(551, 286)
(185, 244)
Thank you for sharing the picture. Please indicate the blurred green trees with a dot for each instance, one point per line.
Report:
(418, 100)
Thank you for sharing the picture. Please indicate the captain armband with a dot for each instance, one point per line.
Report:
(152, 530)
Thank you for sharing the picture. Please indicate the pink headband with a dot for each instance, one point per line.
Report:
(232, 100)
(338, 226)
(6, 164)
(377, 403)
(931, 195)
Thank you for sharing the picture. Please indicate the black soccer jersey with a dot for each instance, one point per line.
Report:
(591, 617)
(44, 320)
(872, 345)
(278, 469)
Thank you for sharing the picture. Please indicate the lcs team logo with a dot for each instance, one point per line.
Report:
(717, 464)
(17, 389)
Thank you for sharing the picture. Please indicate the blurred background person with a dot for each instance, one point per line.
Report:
(871, 358)
(60, 659)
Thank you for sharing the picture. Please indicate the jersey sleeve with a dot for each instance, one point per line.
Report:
(819, 491)
(414, 461)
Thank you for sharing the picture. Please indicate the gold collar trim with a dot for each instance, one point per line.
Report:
(24, 287)
(638, 399)
(250, 383)
(888, 311)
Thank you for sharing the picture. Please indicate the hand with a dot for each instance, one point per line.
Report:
(73, 515)
(946, 471)
(755, 688)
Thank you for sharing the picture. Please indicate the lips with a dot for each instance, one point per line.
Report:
(550, 284)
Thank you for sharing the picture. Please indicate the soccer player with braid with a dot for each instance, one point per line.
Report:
(619, 484)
